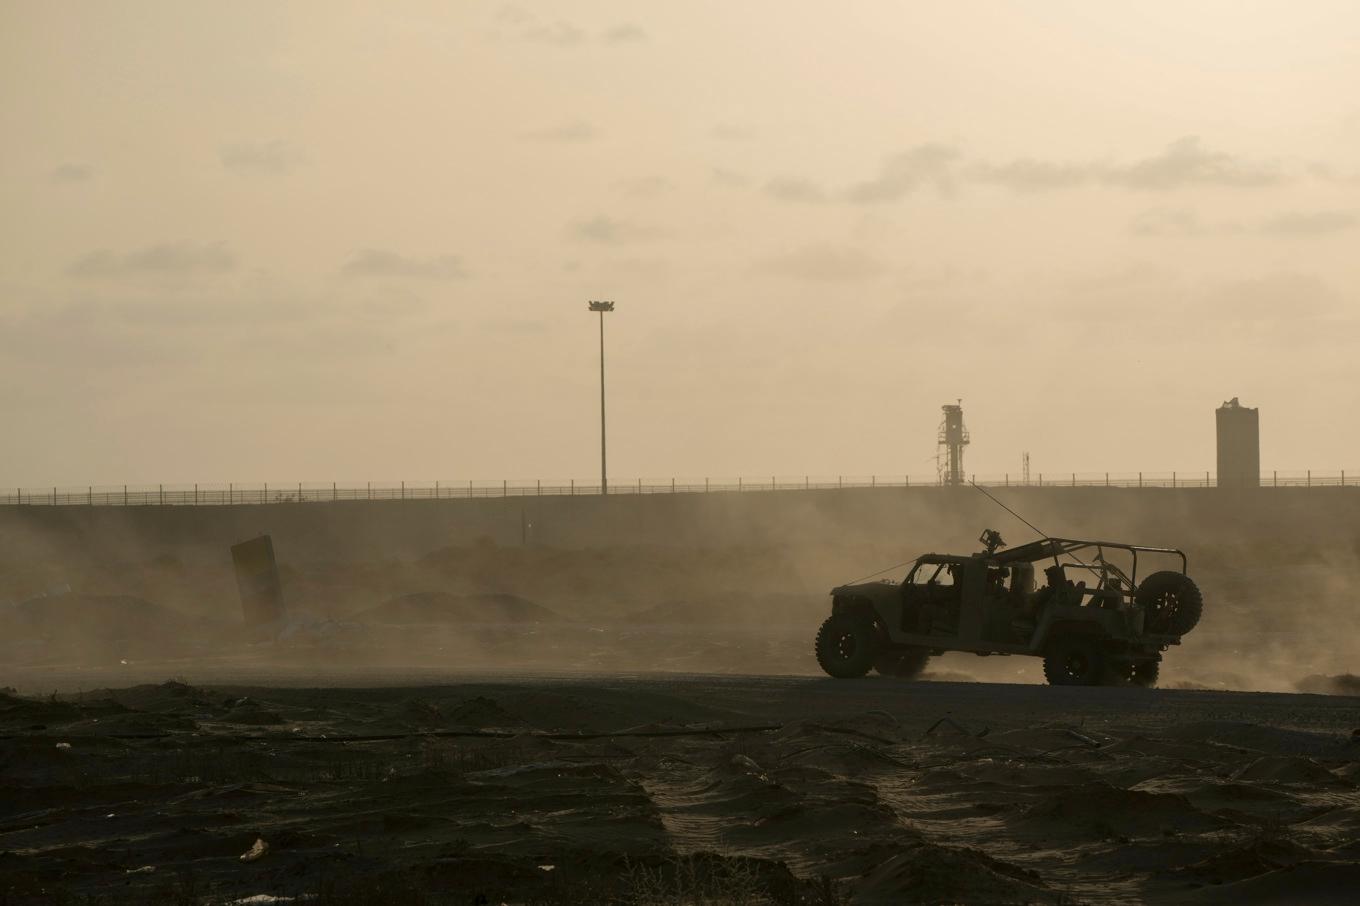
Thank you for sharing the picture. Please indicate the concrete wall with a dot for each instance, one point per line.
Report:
(934, 518)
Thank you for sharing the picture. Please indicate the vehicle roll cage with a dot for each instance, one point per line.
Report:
(1035, 551)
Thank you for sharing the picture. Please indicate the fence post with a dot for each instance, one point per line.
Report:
(1107, 479)
(705, 485)
(1074, 479)
(639, 487)
(573, 487)
(505, 487)
(1140, 479)
(1173, 479)
(299, 492)
(1206, 478)
(840, 481)
(672, 485)
(772, 483)
(89, 492)
(231, 492)
(538, 483)
(469, 489)
(370, 490)
(1274, 478)
(738, 484)
(54, 495)
(124, 495)
(436, 490)
(907, 479)
(1308, 485)
(1007, 479)
(1041, 479)
(332, 492)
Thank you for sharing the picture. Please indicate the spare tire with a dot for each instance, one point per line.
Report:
(1171, 603)
(847, 645)
(905, 663)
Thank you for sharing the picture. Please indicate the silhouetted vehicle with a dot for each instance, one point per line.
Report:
(1104, 628)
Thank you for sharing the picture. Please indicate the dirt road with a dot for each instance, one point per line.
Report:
(411, 786)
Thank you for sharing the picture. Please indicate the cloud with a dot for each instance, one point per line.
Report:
(823, 263)
(1030, 175)
(382, 263)
(71, 173)
(558, 34)
(259, 157)
(563, 133)
(795, 190)
(1305, 225)
(1168, 222)
(1185, 223)
(729, 178)
(645, 186)
(167, 259)
(730, 132)
(1185, 163)
(902, 174)
(625, 33)
(609, 231)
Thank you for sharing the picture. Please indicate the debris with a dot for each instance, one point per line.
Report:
(144, 870)
(63, 745)
(257, 578)
(951, 722)
(745, 761)
(256, 851)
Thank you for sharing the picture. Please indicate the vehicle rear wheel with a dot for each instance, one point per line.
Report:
(1125, 672)
(1074, 662)
(1171, 603)
(847, 645)
(905, 663)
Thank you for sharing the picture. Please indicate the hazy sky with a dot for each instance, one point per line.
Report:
(263, 241)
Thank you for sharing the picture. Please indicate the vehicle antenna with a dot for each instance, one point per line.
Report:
(882, 571)
(1041, 533)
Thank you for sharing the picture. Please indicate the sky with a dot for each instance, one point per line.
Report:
(354, 241)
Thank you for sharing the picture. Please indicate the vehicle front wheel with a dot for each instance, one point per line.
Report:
(1074, 662)
(847, 645)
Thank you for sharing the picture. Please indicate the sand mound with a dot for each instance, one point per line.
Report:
(1273, 740)
(926, 873)
(1321, 883)
(1342, 684)
(1285, 769)
(442, 607)
(480, 713)
(1110, 811)
(1255, 858)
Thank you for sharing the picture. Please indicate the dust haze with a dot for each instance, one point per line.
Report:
(692, 583)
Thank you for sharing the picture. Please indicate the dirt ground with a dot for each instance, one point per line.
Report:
(404, 787)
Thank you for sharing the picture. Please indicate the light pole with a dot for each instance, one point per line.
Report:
(602, 307)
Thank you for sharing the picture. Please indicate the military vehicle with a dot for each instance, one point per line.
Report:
(1103, 627)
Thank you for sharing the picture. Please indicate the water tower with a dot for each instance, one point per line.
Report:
(1239, 446)
(953, 437)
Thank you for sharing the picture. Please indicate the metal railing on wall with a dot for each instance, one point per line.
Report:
(231, 494)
